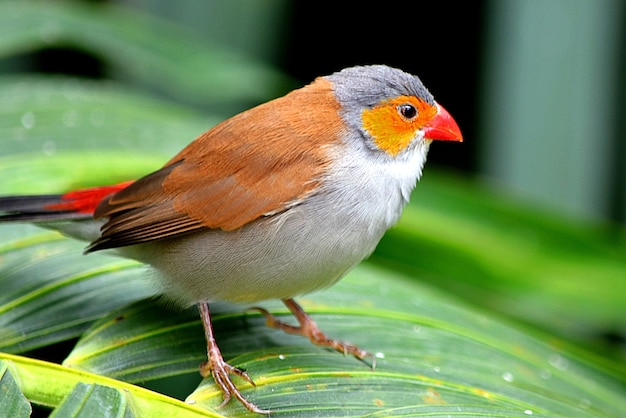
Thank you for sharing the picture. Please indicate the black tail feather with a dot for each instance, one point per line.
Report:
(33, 209)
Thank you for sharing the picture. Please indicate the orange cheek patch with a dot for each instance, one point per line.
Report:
(391, 131)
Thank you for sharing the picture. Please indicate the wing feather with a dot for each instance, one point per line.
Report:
(254, 164)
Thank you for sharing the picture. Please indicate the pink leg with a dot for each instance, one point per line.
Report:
(308, 328)
(221, 370)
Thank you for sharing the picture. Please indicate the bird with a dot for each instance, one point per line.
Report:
(275, 202)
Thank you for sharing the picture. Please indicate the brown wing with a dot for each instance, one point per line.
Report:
(256, 163)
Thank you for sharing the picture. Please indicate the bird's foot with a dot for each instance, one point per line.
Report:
(221, 372)
(308, 328)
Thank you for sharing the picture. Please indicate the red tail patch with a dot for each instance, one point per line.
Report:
(86, 200)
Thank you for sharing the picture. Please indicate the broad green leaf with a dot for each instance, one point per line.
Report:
(150, 51)
(50, 385)
(159, 342)
(45, 175)
(13, 403)
(433, 354)
(56, 115)
(533, 265)
(51, 293)
(86, 400)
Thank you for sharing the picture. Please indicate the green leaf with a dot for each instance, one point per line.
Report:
(13, 403)
(434, 356)
(86, 400)
(52, 115)
(533, 265)
(45, 175)
(49, 384)
(148, 50)
(44, 278)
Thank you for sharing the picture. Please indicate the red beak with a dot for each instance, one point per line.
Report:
(442, 127)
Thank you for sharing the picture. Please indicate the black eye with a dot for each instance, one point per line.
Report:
(408, 111)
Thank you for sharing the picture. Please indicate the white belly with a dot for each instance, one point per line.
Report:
(309, 246)
(292, 253)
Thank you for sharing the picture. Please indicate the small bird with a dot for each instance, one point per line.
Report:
(275, 202)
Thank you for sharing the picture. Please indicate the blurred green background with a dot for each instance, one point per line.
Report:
(524, 219)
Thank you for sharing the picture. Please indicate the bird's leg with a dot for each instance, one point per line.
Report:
(221, 370)
(308, 328)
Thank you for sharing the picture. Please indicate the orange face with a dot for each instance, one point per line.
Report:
(393, 123)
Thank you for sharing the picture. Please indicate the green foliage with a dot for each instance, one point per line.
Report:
(435, 354)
